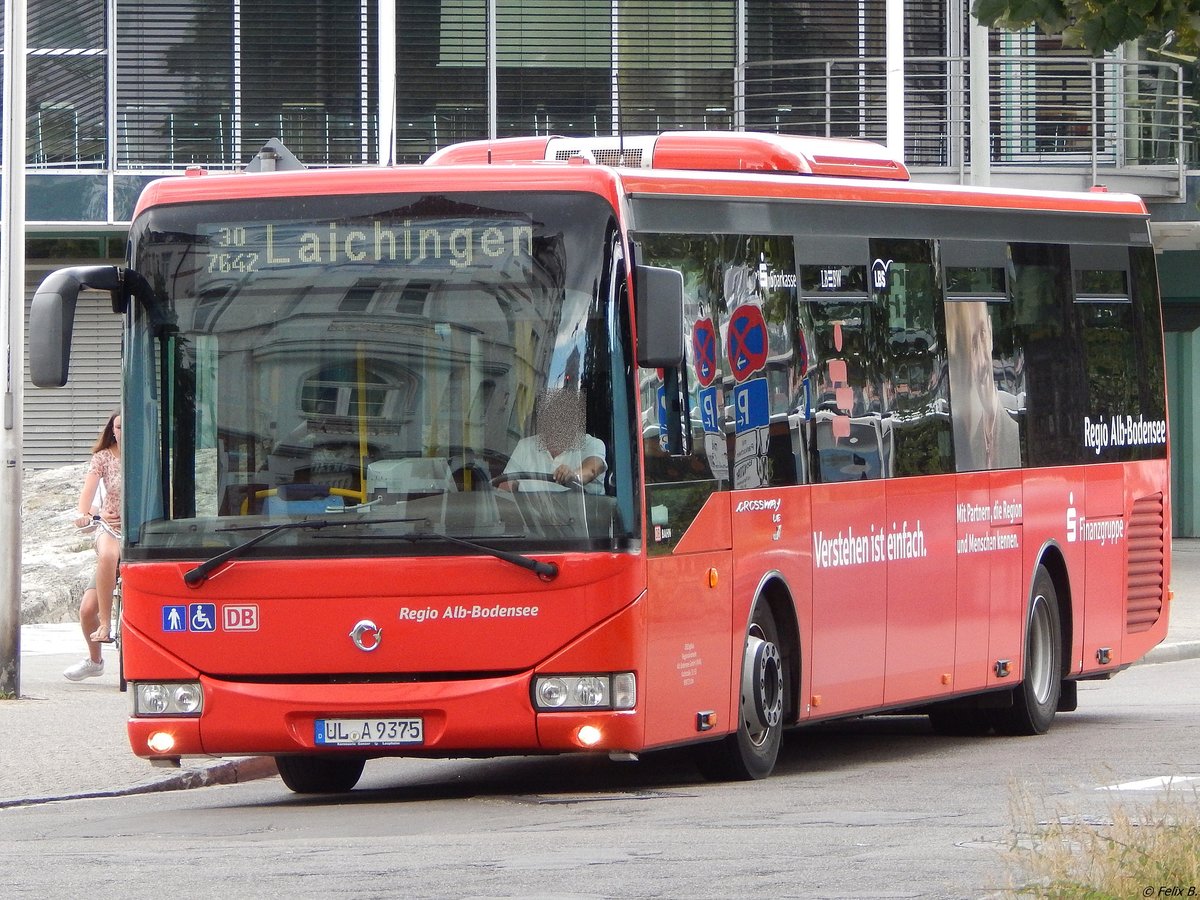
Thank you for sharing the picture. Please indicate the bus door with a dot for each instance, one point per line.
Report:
(689, 584)
(688, 640)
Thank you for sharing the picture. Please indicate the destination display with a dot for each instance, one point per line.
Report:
(443, 243)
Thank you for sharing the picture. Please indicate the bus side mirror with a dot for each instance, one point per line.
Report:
(659, 304)
(52, 318)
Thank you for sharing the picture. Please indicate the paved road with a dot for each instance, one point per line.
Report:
(878, 807)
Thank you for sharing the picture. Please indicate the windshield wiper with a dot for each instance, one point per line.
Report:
(198, 575)
(544, 570)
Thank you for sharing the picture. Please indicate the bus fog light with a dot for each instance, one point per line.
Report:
(588, 736)
(161, 742)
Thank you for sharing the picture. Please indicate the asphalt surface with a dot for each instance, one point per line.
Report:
(65, 740)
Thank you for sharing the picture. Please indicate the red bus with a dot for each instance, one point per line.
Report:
(611, 445)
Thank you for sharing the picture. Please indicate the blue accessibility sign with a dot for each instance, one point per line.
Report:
(174, 618)
(202, 617)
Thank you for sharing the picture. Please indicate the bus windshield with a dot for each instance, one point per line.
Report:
(403, 364)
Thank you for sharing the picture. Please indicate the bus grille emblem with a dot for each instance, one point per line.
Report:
(366, 635)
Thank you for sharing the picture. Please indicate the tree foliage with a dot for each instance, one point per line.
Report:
(1100, 25)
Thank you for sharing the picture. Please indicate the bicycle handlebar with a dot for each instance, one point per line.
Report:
(99, 522)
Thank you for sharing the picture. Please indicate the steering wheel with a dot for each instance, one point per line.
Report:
(504, 477)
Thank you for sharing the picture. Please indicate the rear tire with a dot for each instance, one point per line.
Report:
(1035, 700)
(320, 774)
(750, 752)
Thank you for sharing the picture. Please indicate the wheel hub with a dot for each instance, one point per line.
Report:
(762, 685)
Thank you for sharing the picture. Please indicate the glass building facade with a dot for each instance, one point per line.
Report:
(123, 91)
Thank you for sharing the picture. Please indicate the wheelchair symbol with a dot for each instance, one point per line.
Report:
(202, 617)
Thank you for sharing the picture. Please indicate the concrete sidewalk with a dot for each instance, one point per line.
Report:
(65, 740)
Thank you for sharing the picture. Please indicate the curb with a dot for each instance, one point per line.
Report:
(232, 771)
(1165, 653)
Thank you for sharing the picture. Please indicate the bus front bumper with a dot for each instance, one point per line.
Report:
(477, 717)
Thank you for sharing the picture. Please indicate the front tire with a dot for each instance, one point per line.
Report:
(320, 774)
(750, 752)
(1035, 700)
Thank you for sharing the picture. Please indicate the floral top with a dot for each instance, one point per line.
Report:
(107, 465)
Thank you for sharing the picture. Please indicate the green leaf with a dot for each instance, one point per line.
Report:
(988, 11)
(1094, 35)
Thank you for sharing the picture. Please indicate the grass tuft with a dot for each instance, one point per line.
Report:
(1136, 850)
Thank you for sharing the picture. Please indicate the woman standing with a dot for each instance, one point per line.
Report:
(105, 469)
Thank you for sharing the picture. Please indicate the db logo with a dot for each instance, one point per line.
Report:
(240, 618)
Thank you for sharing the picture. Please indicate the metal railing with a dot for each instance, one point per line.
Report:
(1102, 115)
(1131, 124)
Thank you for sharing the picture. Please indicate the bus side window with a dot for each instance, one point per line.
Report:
(987, 366)
(1056, 386)
(911, 356)
(1148, 335)
(846, 435)
(852, 441)
(1104, 310)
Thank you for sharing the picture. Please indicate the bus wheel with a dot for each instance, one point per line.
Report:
(320, 774)
(750, 752)
(1035, 700)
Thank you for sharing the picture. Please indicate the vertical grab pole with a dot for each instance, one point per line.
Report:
(362, 423)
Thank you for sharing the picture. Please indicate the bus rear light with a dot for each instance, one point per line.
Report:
(575, 692)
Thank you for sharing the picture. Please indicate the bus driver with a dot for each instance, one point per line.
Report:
(561, 450)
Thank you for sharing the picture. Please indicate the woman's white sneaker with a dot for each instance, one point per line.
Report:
(84, 669)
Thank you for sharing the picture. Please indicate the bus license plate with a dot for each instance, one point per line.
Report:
(368, 732)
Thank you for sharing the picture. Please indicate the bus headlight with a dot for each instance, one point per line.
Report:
(185, 698)
(188, 698)
(551, 693)
(573, 692)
